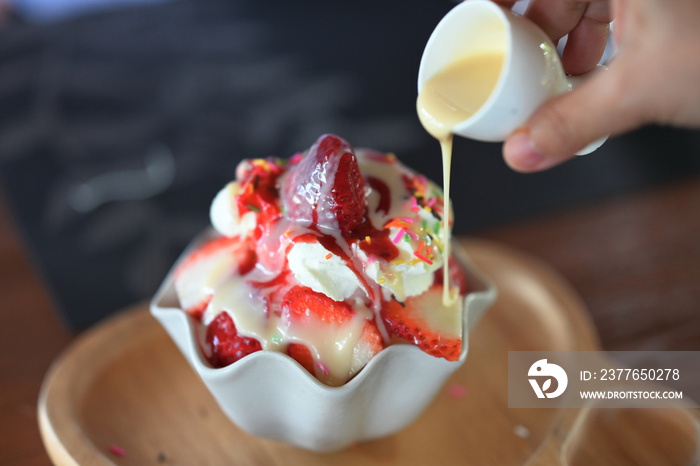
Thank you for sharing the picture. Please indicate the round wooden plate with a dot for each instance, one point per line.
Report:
(122, 393)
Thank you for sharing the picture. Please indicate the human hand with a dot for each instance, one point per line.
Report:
(653, 78)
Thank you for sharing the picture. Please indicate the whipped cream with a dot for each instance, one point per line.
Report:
(322, 271)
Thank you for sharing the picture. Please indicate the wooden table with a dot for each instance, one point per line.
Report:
(634, 260)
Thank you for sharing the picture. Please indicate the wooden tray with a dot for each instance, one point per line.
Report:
(123, 394)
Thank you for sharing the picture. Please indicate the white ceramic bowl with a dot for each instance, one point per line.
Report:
(270, 395)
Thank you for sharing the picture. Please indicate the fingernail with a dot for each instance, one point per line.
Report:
(522, 155)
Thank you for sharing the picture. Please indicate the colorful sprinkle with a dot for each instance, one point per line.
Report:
(397, 223)
(398, 262)
(381, 280)
(456, 390)
(414, 205)
(412, 234)
(399, 235)
(253, 208)
(423, 258)
(401, 303)
(264, 164)
(328, 256)
(117, 451)
(421, 245)
(323, 367)
(414, 261)
(368, 239)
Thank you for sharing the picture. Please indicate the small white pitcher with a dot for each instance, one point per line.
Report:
(531, 73)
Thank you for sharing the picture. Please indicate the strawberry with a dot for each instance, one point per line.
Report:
(226, 344)
(457, 277)
(302, 355)
(425, 322)
(304, 307)
(302, 302)
(326, 188)
(371, 343)
(198, 274)
(259, 192)
(197, 312)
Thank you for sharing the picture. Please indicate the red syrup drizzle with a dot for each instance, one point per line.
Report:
(248, 264)
(379, 243)
(276, 281)
(384, 194)
(271, 291)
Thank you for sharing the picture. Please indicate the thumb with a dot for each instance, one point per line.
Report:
(569, 122)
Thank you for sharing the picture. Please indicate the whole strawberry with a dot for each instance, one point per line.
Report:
(326, 189)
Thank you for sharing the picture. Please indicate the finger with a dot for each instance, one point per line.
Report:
(566, 124)
(506, 3)
(586, 42)
(585, 46)
(556, 17)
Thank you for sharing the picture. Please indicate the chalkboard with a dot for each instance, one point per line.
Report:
(117, 129)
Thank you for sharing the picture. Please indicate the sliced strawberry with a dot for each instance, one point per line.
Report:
(425, 322)
(226, 344)
(302, 355)
(326, 187)
(348, 194)
(302, 302)
(203, 269)
(306, 307)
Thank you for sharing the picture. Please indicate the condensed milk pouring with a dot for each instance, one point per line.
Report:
(451, 96)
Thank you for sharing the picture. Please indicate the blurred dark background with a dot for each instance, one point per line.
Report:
(117, 127)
